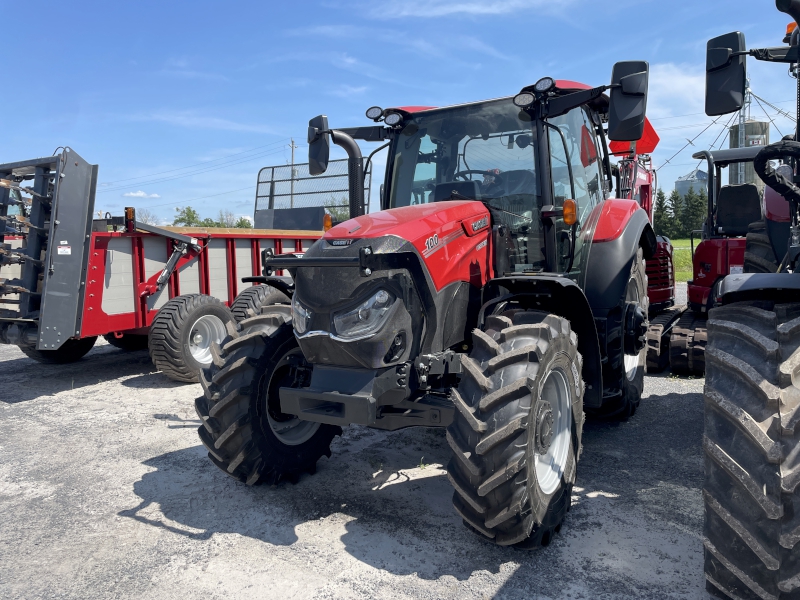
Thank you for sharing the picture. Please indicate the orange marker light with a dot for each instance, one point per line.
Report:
(570, 212)
(327, 222)
(791, 27)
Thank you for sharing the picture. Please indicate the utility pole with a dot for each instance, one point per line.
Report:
(291, 193)
(744, 113)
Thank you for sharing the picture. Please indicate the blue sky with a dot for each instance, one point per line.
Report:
(181, 103)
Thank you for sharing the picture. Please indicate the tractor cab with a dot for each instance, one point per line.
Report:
(516, 165)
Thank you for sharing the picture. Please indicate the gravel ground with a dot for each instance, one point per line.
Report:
(106, 492)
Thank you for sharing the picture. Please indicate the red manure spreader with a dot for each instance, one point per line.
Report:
(66, 278)
(499, 293)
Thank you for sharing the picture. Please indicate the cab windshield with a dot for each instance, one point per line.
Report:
(484, 151)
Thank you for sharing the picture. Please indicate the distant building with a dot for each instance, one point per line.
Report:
(697, 180)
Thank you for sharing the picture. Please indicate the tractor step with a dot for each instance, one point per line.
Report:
(658, 338)
(687, 344)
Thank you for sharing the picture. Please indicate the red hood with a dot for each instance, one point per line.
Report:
(411, 223)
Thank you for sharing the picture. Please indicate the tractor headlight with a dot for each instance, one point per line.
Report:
(366, 319)
(301, 316)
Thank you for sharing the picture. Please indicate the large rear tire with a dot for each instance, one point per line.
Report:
(752, 451)
(72, 351)
(243, 429)
(759, 257)
(183, 332)
(250, 301)
(631, 363)
(517, 429)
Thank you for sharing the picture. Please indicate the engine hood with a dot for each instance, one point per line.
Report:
(414, 224)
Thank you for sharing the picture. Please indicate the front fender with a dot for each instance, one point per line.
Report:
(618, 235)
(563, 297)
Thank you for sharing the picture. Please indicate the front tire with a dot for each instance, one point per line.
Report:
(517, 429)
(243, 429)
(752, 451)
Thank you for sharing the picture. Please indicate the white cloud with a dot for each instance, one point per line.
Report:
(140, 194)
(347, 91)
(443, 8)
(246, 217)
(196, 120)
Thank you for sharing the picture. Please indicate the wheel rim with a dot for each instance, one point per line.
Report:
(631, 361)
(205, 331)
(551, 451)
(289, 429)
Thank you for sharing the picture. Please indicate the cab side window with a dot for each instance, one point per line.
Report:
(584, 161)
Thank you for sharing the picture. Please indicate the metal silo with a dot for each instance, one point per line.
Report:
(756, 133)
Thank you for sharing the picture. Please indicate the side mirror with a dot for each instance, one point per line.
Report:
(319, 145)
(628, 105)
(726, 74)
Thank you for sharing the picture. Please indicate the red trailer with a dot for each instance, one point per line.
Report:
(66, 279)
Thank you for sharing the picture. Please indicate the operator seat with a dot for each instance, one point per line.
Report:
(468, 189)
(737, 207)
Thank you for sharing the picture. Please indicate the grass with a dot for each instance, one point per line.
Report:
(682, 259)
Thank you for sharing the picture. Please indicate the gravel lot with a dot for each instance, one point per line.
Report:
(105, 492)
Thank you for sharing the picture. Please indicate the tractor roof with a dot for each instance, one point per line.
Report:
(725, 157)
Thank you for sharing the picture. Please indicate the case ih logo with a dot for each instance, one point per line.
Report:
(480, 224)
(340, 242)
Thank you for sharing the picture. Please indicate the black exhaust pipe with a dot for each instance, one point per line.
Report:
(355, 171)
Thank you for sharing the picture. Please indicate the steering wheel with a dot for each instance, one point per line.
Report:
(498, 177)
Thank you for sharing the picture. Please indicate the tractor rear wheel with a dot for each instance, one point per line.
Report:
(759, 257)
(752, 451)
(128, 342)
(72, 351)
(250, 301)
(243, 429)
(182, 334)
(631, 344)
(516, 435)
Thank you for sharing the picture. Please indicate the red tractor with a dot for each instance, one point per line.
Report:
(499, 293)
(733, 240)
(752, 387)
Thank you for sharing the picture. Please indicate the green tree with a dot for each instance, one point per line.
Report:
(693, 211)
(187, 217)
(243, 223)
(226, 219)
(661, 214)
(675, 212)
(336, 210)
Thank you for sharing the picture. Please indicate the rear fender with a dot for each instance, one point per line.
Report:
(563, 297)
(612, 254)
(771, 287)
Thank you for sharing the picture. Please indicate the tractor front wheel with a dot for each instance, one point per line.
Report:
(244, 430)
(517, 429)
